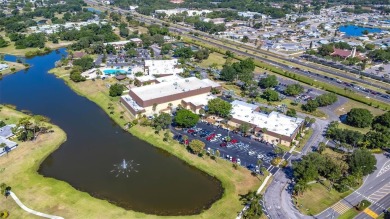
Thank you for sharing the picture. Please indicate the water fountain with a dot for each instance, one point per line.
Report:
(124, 168)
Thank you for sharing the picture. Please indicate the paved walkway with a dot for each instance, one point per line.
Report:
(32, 211)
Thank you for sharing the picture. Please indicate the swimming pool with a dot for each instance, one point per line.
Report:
(114, 71)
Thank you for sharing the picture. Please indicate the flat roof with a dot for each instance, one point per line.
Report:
(199, 100)
(274, 122)
(169, 78)
(211, 83)
(146, 78)
(132, 103)
(164, 89)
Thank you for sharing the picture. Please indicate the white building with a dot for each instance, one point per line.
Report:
(162, 67)
(3, 67)
(275, 127)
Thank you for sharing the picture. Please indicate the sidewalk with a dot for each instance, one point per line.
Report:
(32, 211)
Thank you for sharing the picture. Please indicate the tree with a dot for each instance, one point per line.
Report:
(245, 39)
(132, 53)
(321, 147)
(361, 160)
(85, 63)
(270, 95)
(325, 50)
(183, 52)
(116, 90)
(228, 73)
(201, 54)
(165, 48)
(359, 117)
(383, 120)
(244, 127)
(217, 154)
(310, 106)
(326, 99)
(293, 89)
(291, 112)
(278, 150)
(378, 139)
(75, 75)
(268, 82)
(163, 120)
(186, 118)
(252, 200)
(196, 146)
(219, 107)
(3, 43)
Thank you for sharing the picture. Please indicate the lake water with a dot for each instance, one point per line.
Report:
(352, 30)
(163, 185)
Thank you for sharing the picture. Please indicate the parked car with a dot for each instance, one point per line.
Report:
(223, 144)
(233, 141)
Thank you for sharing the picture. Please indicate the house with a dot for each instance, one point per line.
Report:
(6, 131)
(347, 53)
(3, 67)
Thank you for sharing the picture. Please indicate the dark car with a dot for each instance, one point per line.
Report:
(223, 144)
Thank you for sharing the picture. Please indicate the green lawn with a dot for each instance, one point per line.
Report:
(317, 198)
(11, 65)
(214, 57)
(350, 214)
(345, 108)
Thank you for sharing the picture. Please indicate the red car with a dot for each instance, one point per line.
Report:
(185, 142)
(234, 160)
(223, 145)
(233, 141)
(190, 131)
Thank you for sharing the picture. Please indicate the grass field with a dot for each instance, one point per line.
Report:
(21, 52)
(350, 214)
(317, 198)
(12, 65)
(235, 182)
(214, 57)
(345, 108)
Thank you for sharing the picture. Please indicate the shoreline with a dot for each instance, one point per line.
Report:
(230, 193)
(13, 67)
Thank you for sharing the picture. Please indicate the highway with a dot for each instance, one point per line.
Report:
(184, 31)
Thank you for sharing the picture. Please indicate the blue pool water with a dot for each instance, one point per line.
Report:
(114, 71)
(352, 30)
(94, 10)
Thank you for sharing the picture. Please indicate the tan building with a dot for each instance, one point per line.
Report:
(191, 93)
(275, 128)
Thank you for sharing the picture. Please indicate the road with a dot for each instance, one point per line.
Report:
(376, 189)
(184, 31)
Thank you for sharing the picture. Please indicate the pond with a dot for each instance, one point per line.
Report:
(356, 31)
(161, 184)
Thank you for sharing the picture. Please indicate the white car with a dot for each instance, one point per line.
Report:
(259, 156)
(218, 135)
(250, 153)
(238, 161)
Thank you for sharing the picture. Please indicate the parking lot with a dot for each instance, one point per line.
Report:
(241, 150)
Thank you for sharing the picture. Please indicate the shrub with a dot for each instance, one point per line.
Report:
(363, 205)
